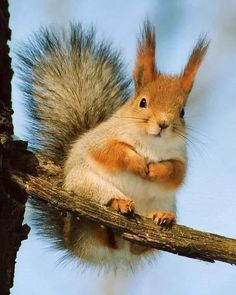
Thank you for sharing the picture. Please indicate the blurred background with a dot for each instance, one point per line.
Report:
(207, 200)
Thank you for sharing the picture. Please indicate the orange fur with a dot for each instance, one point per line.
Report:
(122, 206)
(164, 218)
(169, 174)
(116, 156)
(193, 64)
(105, 236)
(167, 92)
(145, 68)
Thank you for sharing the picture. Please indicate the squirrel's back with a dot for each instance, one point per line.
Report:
(71, 83)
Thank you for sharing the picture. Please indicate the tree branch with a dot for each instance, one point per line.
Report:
(180, 239)
(12, 197)
(6, 126)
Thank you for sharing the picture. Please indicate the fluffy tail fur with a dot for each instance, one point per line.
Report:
(71, 82)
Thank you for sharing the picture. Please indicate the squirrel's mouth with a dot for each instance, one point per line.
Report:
(160, 134)
(156, 134)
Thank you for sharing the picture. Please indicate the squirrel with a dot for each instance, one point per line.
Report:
(124, 151)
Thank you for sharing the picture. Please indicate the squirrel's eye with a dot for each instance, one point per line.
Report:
(143, 103)
(182, 113)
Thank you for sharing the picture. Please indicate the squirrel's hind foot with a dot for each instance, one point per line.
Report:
(163, 218)
(121, 205)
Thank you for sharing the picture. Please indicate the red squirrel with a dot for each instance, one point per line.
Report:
(133, 157)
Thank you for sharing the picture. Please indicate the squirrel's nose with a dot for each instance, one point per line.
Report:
(163, 125)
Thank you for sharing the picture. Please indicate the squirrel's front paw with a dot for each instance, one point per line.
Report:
(163, 218)
(160, 171)
(122, 206)
(138, 166)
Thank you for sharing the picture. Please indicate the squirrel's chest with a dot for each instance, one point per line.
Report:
(156, 150)
(150, 196)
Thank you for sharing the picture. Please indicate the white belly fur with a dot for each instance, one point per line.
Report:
(148, 196)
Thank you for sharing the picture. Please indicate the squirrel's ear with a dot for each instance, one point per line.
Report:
(193, 64)
(145, 67)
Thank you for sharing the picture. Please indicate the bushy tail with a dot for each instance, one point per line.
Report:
(71, 82)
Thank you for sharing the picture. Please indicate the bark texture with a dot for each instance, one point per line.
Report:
(12, 196)
(6, 126)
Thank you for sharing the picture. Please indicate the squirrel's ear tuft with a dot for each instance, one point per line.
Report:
(193, 64)
(145, 67)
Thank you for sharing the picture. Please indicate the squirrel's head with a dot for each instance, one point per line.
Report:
(159, 99)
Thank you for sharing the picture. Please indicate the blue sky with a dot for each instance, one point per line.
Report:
(207, 200)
